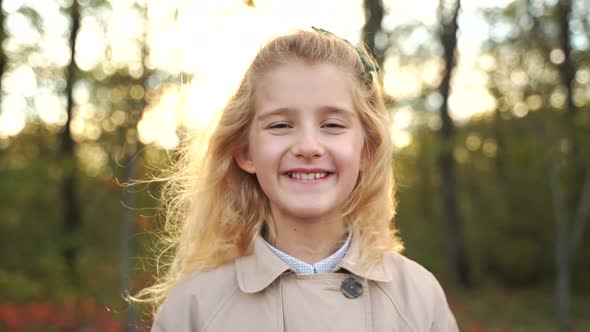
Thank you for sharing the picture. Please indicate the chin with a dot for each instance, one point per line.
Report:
(309, 213)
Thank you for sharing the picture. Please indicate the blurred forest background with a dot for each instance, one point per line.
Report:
(490, 103)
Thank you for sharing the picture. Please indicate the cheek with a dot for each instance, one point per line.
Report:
(351, 156)
(266, 151)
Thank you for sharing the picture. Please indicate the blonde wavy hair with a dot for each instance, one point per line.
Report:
(214, 210)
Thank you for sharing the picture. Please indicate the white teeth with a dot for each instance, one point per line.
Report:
(306, 176)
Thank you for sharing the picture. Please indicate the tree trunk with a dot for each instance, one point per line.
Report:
(577, 197)
(373, 20)
(131, 149)
(562, 259)
(563, 255)
(458, 260)
(70, 204)
(567, 71)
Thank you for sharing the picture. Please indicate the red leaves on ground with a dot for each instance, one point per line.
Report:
(73, 314)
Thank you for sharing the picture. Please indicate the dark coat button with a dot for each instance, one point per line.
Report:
(351, 288)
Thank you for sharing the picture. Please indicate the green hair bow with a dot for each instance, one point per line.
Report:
(368, 65)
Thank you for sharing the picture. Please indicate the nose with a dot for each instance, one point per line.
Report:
(308, 144)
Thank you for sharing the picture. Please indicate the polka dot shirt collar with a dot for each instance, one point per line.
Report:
(327, 264)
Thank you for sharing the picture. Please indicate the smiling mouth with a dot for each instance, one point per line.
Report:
(308, 176)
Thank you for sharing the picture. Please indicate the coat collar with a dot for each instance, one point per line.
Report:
(257, 271)
(381, 272)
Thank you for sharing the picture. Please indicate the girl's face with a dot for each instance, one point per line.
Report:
(305, 141)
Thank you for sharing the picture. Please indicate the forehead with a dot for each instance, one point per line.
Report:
(300, 85)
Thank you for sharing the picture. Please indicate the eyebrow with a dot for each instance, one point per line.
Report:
(323, 109)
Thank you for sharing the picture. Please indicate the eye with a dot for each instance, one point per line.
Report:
(334, 125)
(279, 125)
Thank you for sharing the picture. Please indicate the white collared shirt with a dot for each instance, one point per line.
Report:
(327, 264)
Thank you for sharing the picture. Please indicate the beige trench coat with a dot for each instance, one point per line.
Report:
(260, 293)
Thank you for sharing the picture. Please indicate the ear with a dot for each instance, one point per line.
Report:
(244, 161)
(365, 162)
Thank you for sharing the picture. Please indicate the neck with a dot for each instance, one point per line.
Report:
(309, 240)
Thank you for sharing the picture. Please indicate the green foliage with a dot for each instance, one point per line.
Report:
(504, 198)
(31, 240)
(501, 165)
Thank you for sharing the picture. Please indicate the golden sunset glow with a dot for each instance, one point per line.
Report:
(214, 42)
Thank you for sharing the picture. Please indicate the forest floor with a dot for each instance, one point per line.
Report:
(496, 309)
(478, 310)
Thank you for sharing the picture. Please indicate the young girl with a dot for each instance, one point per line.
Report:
(285, 223)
